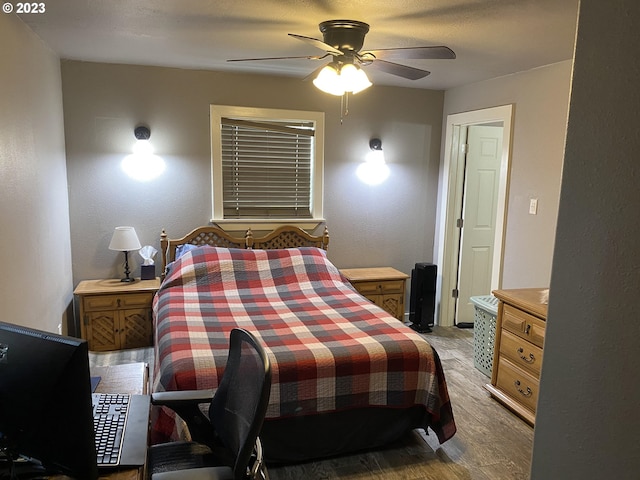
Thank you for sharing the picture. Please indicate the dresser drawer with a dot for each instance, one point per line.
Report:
(523, 325)
(521, 352)
(94, 303)
(100, 302)
(380, 287)
(518, 384)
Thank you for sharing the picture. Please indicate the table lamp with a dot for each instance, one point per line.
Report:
(125, 240)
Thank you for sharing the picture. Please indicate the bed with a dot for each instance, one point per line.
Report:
(347, 376)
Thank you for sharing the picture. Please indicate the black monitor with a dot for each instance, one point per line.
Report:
(46, 417)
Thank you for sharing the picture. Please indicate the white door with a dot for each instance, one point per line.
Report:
(479, 213)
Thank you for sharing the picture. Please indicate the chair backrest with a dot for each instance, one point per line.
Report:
(240, 402)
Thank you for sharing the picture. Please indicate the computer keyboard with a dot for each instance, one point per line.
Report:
(109, 419)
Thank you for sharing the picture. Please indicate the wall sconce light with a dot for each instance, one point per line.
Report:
(375, 144)
(143, 165)
(125, 239)
(142, 134)
(374, 170)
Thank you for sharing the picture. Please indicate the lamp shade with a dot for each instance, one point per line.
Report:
(328, 80)
(124, 240)
(354, 79)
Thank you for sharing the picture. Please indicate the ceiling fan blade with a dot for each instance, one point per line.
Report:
(425, 53)
(403, 71)
(317, 43)
(307, 57)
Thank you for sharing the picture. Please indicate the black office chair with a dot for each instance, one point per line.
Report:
(224, 446)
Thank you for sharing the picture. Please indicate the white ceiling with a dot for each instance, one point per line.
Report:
(491, 38)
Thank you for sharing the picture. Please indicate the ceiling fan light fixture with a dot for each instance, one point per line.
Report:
(328, 80)
(354, 79)
(340, 80)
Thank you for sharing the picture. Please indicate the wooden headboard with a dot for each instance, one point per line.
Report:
(287, 236)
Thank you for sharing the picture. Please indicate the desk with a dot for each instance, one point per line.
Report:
(130, 378)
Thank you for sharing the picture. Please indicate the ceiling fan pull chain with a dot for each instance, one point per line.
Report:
(344, 106)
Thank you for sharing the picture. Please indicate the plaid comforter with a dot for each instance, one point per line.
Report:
(330, 348)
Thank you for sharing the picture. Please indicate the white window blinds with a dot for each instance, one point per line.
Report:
(267, 168)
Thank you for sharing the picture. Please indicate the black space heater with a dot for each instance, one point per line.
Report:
(422, 299)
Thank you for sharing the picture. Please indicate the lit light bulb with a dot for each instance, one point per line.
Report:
(374, 170)
(349, 78)
(373, 173)
(142, 147)
(142, 164)
(328, 80)
(353, 79)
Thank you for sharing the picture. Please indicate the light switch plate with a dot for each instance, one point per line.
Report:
(533, 206)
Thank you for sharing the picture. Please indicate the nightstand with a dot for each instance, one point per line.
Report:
(384, 286)
(115, 315)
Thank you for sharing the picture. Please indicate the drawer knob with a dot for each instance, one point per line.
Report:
(527, 329)
(527, 394)
(530, 359)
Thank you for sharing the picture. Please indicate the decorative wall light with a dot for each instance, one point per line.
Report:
(374, 170)
(142, 146)
(125, 240)
(143, 165)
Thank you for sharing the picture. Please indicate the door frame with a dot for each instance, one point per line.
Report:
(447, 248)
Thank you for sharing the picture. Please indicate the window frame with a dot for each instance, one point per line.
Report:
(217, 113)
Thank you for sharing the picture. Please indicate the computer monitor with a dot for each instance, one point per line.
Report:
(46, 417)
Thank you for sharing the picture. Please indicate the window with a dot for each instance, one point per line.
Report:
(267, 165)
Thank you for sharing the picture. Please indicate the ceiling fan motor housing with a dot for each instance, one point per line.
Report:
(345, 35)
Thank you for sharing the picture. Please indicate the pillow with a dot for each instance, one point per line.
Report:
(184, 248)
(180, 250)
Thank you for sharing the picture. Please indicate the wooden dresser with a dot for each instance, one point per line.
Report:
(384, 286)
(517, 358)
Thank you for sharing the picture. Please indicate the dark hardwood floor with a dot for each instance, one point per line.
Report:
(491, 442)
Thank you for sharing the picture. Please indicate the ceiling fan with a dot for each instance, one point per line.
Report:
(343, 40)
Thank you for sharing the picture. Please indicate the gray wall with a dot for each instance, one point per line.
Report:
(391, 224)
(36, 284)
(588, 419)
(541, 100)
